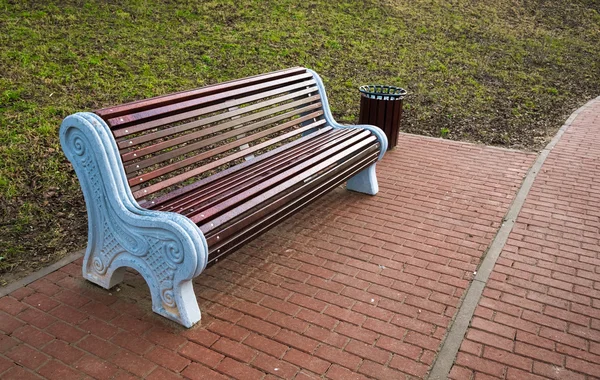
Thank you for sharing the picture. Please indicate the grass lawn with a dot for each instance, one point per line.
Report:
(497, 72)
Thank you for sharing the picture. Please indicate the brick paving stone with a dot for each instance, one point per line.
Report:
(132, 342)
(63, 351)
(460, 373)
(229, 330)
(11, 305)
(337, 356)
(337, 372)
(258, 325)
(367, 351)
(5, 364)
(295, 340)
(36, 318)
(274, 366)
(32, 336)
(44, 286)
(27, 356)
(408, 366)
(235, 350)
(200, 335)
(162, 374)
(380, 372)
(238, 370)
(167, 359)
(72, 298)
(19, 373)
(266, 345)
(99, 328)
(65, 331)
(23, 292)
(55, 370)
(41, 301)
(553, 372)
(133, 363)
(97, 368)
(201, 354)
(99, 310)
(166, 338)
(131, 324)
(8, 323)
(98, 347)
(312, 363)
(6, 343)
(196, 371)
(326, 336)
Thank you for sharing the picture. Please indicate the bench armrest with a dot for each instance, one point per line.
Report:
(167, 249)
(381, 137)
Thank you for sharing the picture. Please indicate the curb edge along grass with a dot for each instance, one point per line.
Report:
(462, 319)
(41, 273)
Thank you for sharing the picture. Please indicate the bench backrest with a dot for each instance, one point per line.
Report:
(169, 141)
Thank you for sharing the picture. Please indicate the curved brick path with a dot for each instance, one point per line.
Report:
(357, 287)
(539, 316)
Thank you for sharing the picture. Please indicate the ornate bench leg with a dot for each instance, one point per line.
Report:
(364, 181)
(159, 258)
(162, 247)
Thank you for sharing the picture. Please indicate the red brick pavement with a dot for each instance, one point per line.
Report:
(353, 287)
(539, 316)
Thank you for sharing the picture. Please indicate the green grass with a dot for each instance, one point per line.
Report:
(504, 73)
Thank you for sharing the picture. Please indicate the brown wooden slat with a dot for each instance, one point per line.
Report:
(140, 127)
(217, 251)
(246, 178)
(266, 216)
(210, 153)
(232, 170)
(363, 116)
(122, 121)
(395, 121)
(157, 202)
(123, 109)
(304, 171)
(197, 171)
(372, 112)
(132, 155)
(300, 187)
(132, 142)
(380, 104)
(200, 202)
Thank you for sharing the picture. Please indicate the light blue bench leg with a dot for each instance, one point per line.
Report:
(167, 249)
(364, 181)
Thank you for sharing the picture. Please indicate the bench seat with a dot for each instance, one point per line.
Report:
(233, 208)
(175, 183)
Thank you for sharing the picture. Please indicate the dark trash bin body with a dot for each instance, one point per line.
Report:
(382, 106)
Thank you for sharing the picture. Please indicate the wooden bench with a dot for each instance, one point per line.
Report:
(176, 182)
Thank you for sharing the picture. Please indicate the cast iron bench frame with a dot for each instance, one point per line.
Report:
(155, 202)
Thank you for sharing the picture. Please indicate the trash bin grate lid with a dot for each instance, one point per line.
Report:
(375, 91)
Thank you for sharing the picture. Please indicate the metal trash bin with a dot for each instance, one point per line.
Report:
(382, 106)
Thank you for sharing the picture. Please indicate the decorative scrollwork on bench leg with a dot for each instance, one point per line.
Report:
(162, 247)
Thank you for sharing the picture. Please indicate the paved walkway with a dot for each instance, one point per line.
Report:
(358, 287)
(539, 316)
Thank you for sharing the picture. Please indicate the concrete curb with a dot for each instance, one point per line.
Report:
(450, 346)
(41, 273)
